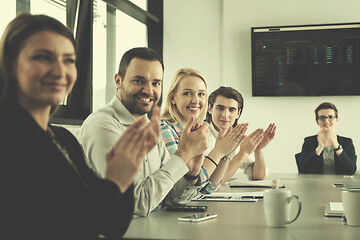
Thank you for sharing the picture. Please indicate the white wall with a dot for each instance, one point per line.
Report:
(192, 38)
(214, 37)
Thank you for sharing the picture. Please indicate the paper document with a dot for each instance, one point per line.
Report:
(231, 197)
(253, 184)
(336, 206)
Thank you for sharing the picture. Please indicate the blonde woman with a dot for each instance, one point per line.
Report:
(187, 99)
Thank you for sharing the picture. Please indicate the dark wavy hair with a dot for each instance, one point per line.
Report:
(227, 92)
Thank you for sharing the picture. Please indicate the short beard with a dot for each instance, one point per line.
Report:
(131, 104)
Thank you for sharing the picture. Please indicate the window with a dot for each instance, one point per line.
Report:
(7, 14)
(140, 3)
(126, 33)
(55, 9)
(108, 29)
(99, 51)
(129, 33)
(118, 26)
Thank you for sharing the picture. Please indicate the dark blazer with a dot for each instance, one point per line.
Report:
(345, 163)
(42, 197)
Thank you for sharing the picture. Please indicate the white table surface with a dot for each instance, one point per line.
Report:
(243, 220)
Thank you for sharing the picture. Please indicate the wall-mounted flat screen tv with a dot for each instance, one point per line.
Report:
(311, 60)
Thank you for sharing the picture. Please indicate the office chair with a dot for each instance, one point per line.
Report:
(297, 158)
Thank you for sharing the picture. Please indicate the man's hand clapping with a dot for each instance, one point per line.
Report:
(125, 157)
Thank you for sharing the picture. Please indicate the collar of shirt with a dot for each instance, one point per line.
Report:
(122, 113)
(178, 128)
(213, 131)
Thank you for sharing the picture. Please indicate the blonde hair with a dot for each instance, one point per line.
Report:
(170, 112)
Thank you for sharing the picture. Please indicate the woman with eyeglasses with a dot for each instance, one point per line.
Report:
(326, 152)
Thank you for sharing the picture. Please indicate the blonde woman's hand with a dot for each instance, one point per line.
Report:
(193, 141)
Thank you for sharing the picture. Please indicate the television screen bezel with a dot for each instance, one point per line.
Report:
(301, 27)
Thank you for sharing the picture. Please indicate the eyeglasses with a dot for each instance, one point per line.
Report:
(330, 117)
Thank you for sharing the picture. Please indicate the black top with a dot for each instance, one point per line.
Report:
(345, 163)
(43, 197)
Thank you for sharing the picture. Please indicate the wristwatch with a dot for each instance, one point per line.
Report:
(338, 148)
(227, 159)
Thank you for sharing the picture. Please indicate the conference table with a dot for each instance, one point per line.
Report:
(246, 220)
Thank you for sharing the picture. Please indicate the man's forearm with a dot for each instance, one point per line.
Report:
(183, 154)
(234, 165)
(259, 166)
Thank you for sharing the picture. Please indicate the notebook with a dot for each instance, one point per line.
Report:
(253, 184)
(231, 197)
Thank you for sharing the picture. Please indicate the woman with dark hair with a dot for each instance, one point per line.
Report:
(326, 152)
(47, 190)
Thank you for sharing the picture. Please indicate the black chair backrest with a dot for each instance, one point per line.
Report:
(297, 158)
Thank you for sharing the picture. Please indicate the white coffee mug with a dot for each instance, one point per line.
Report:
(351, 204)
(277, 207)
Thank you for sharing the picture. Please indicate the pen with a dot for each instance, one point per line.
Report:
(217, 197)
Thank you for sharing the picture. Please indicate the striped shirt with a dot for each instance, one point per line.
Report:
(171, 135)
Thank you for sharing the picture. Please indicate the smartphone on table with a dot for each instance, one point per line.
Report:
(199, 217)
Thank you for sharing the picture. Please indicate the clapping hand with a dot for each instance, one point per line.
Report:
(321, 138)
(327, 138)
(269, 135)
(228, 140)
(193, 141)
(125, 157)
(250, 143)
